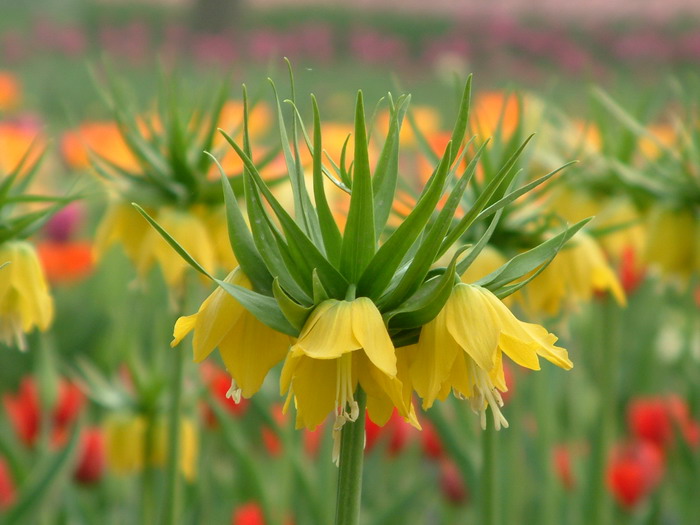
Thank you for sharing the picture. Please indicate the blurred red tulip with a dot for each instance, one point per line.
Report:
(432, 445)
(632, 272)
(91, 462)
(24, 410)
(66, 262)
(562, 466)
(634, 471)
(396, 431)
(656, 419)
(248, 514)
(452, 484)
(313, 439)
(7, 486)
(271, 440)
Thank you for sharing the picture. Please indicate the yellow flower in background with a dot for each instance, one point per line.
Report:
(671, 240)
(248, 348)
(461, 350)
(188, 230)
(124, 225)
(125, 436)
(576, 273)
(325, 366)
(189, 446)
(25, 301)
(214, 220)
(616, 214)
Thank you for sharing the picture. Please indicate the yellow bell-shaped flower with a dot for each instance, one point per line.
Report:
(576, 273)
(124, 225)
(25, 301)
(461, 350)
(343, 344)
(189, 231)
(248, 348)
(671, 241)
(125, 436)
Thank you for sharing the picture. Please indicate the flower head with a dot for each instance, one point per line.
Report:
(462, 348)
(579, 270)
(248, 348)
(344, 344)
(25, 301)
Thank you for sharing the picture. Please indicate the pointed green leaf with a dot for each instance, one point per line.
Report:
(295, 313)
(359, 241)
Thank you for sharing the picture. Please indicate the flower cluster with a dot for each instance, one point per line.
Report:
(366, 310)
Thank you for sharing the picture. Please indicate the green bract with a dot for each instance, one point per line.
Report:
(296, 260)
(14, 225)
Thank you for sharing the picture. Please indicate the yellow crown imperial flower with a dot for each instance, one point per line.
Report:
(461, 350)
(248, 348)
(25, 301)
(579, 270)
(325, 366)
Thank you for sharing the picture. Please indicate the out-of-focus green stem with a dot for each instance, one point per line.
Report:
(352, 444)
(607, 321)
(148, 473)
(489, 477)
(171, 509)
(549, 492)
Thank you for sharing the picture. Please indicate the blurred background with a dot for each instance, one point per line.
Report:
(613, 83)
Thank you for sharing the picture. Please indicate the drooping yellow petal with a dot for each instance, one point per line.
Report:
(250, 350)
(183, 326)
(480, 338)
(369, 330)
(433, 359)
(217, 315)
(330, 331)
(313, 384)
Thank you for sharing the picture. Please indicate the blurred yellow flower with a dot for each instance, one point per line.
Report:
(461, 350)
(189, 446)
(671, 241)
(576, 273)
(25, 301)
(324, 368)
(126, 444)
(248, 348)
(124, 225)
(125, 436)
(145, 247)
(488, 260)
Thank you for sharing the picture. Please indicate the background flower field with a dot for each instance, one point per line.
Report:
(86, 435)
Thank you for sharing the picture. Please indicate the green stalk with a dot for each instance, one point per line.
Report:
(171, 510)
(549, 492)
(489, 476)
(606, 365)
(148, 473)
(352, 443)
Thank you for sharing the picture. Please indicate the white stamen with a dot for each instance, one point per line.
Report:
(234, 392)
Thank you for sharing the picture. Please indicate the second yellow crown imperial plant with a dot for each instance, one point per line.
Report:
(170, 177)
(355, 302)
(25, 299)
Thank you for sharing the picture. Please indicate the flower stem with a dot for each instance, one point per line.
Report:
(599, 511)
(489, 485)
(172, 472)
(352, 444)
